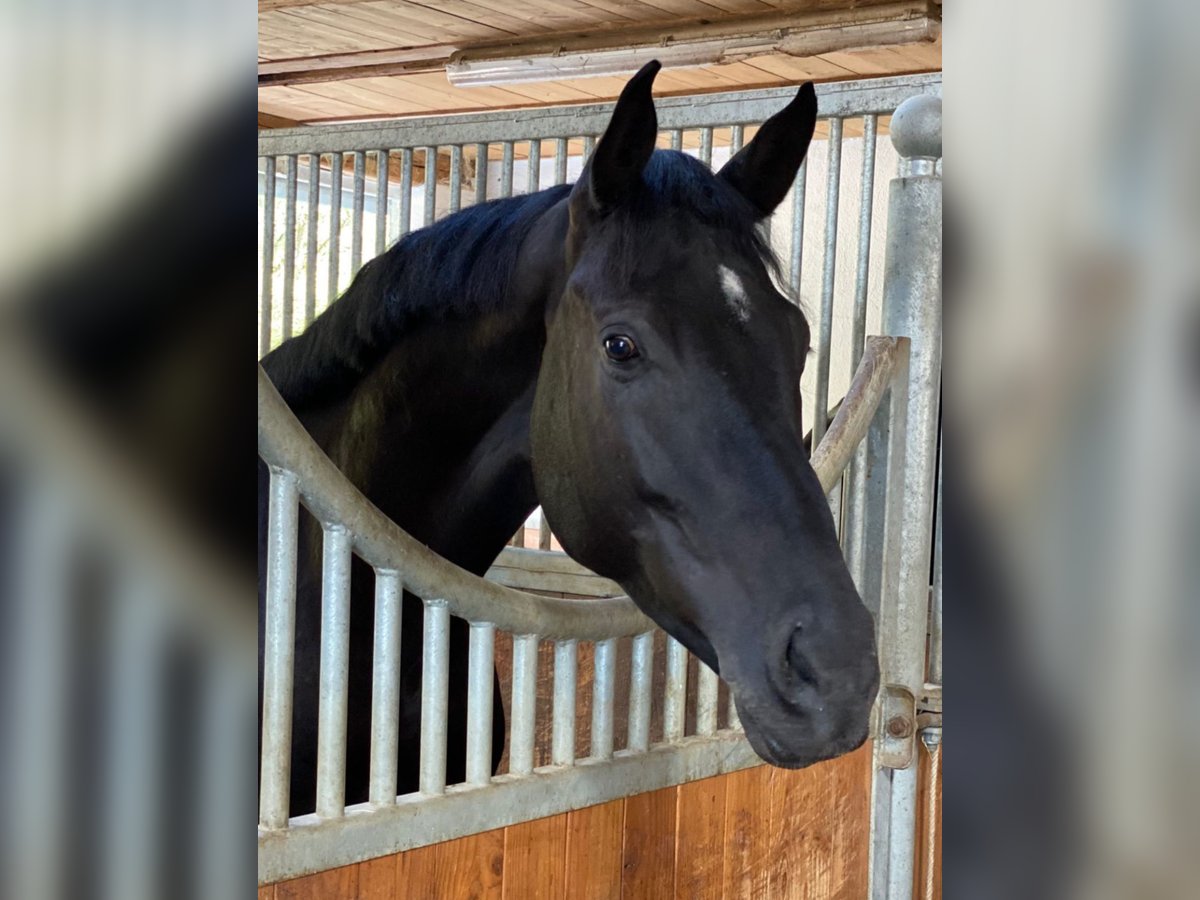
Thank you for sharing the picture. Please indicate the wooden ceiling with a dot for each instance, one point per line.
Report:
(341, 60)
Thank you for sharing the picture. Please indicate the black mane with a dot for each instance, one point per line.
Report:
(457, 267)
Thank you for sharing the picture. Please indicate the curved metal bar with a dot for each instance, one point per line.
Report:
(284, 444)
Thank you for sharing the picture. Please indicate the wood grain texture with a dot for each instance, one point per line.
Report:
(377, 878)
(700, 840)
(470, 868)
(594, 846)
(332, 884)
(648, 855)
(747, 827)
(534, 854)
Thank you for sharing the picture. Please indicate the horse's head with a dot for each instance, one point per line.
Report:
(667, 446)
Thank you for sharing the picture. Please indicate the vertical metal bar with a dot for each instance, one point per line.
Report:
(481, 172)
(506, 169)
(566, 661)
(706, 144)
(289, 245)
(456, 155)
(429, 211)
(544, 533)
(706, 701)
(535, 166)
(524, 703)
(676, 692)
(560, 161)
(268, 256)
(737, 136)
(314, 222)
(385, 687)
(335, 673)
(435, 686)
(639, 691)
(335, 225)
(279, 642)
(825, 328)
(602, 699)
(676, 136)
(382, 173)
(480, 671)
(356, 216)
(406, 189)
(799, 195)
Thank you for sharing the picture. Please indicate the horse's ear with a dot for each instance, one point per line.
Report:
(764, 169)
(615, 169)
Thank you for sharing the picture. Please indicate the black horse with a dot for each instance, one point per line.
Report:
(616, 351)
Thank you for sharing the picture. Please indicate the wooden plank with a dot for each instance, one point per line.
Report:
(648, 854)
(332, 884)
(471, 866)
(747, 823)
(534, 855)
(700, 840)
(594, 841)
(377, 878)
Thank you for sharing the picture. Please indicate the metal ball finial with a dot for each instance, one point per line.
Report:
(917, 127)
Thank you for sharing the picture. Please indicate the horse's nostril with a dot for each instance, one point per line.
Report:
(797, 660)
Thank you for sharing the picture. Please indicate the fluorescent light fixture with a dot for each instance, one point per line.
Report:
(463, 71)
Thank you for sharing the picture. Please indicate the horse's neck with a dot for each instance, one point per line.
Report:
(437, 434)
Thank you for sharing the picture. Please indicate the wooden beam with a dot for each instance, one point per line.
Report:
(795, 33)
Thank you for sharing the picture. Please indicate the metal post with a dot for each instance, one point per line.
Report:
(279, 649)
(911, 308)
(676, 693)
(385, 687)
(563, 737)
(334, 675)
(524, 703)
(480, 669)
(602, 699)
(435, 682)
(639, 691)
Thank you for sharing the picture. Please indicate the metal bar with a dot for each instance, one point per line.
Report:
(566, 661)
(560, 161)
(356, 216)
(267, 248)
(429, 192)
(310, 254)
(335, 673)
(335, 225)
(706, 145)
(706, 701)
(825, 327)
(849, 98)
(524, 704)
(382, 173)
(456, 156)
(675, 698)
(535, 166)
(506, 170)
(641, 673)
(481, 172)
(480, 672)
(799, 195)
(435, 684)
(289, 246)
(406, 188)
(385, 687)
(279, 643)
(602, 699)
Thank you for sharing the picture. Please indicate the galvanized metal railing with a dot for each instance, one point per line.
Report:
(885, 505)
(300, 473)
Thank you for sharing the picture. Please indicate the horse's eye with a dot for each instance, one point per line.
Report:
(620, 348)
